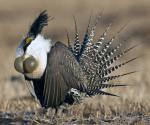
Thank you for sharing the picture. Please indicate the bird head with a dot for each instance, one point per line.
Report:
(31, 54)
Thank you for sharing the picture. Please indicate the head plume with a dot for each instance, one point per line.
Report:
(38, 24)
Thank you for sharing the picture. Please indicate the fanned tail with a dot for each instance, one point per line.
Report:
(97, 59)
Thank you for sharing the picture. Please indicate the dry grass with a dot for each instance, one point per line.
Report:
(132, 108)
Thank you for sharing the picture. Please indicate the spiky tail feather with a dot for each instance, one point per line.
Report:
(107, 63)
(114, 68)
(96, 59)
(100, 92)
(77, 45)
(109, 78)
(85, 40)
(69, 43)
(101, 53)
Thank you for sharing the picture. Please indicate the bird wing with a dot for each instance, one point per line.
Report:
(62, 73)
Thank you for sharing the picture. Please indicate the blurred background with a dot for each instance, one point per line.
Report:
(16, 17)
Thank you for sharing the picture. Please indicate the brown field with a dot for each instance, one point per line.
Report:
(132, 108)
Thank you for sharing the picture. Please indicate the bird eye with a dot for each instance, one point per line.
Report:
(18, 64)
(28, 40)
(30, 64)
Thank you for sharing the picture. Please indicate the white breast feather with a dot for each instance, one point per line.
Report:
(38, 49)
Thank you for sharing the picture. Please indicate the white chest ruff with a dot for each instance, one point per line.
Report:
(38, 49)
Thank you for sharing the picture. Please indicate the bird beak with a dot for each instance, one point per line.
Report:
(25, 65)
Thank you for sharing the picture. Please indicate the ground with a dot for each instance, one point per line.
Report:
(132, 107)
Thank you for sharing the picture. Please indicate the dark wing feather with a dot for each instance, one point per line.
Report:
(62, 73)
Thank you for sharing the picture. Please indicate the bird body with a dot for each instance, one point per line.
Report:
(56, 73)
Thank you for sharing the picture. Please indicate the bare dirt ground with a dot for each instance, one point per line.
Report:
(133, 107)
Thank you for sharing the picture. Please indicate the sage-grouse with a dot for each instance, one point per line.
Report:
(58, 74)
